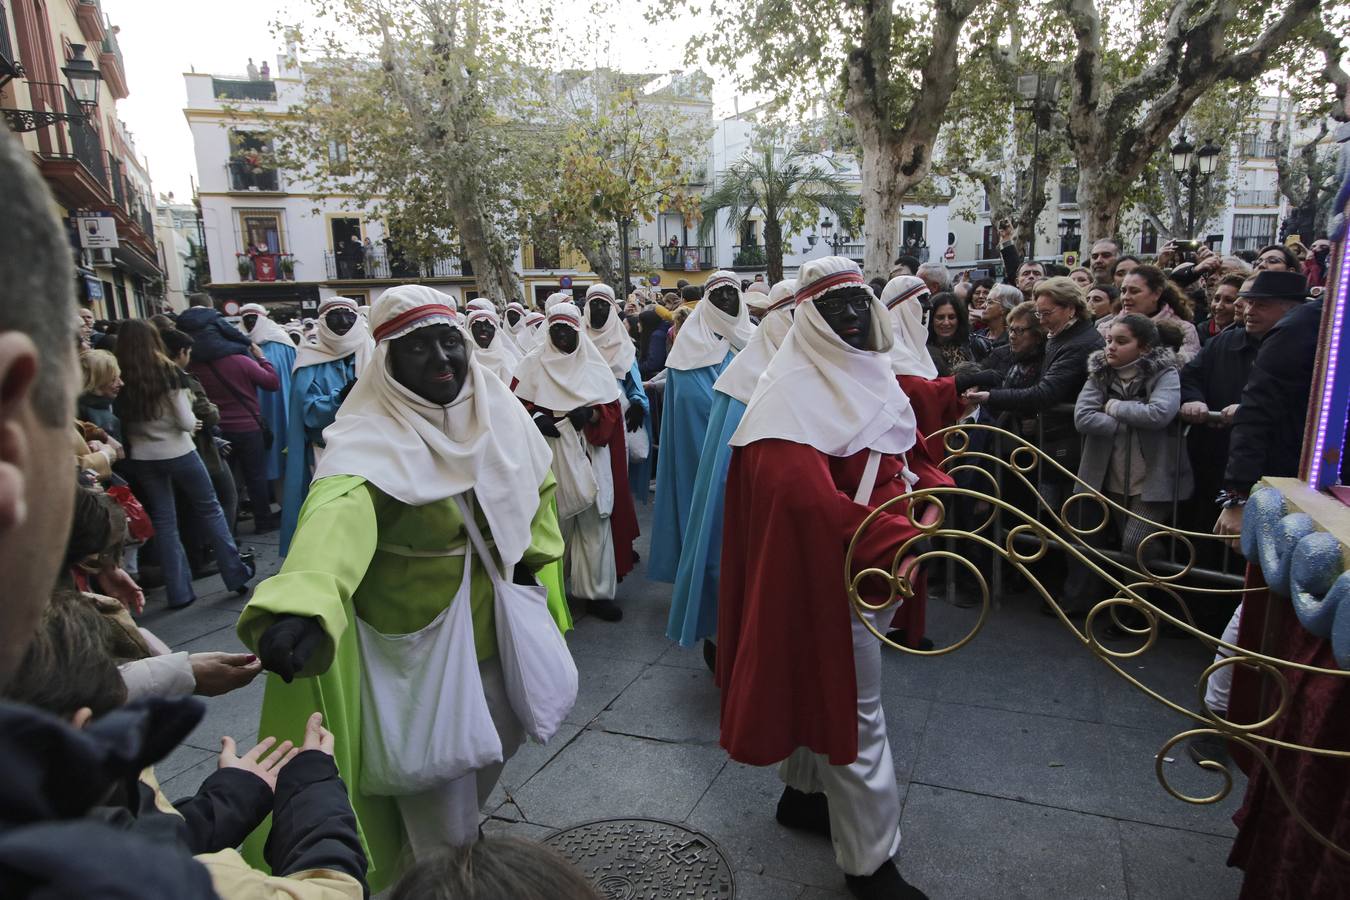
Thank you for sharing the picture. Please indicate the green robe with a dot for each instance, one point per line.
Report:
(337, 568)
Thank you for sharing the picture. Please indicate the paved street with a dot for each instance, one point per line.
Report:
(1025, 765)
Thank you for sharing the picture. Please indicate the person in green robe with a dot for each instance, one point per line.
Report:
(381, 545)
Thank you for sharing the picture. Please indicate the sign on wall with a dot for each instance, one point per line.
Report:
(98, 230)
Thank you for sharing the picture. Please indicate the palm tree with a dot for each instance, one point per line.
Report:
(788, 190)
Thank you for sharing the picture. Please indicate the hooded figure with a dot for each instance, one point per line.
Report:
(277, 346)
(518, 332)
(575, 402)
(825, 438)
(693, 606)
(426, 436)
(606, 330)
(499, 356)
(717, 329)
(324, 372)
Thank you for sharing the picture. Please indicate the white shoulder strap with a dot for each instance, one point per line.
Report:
(476, 537)
(869, 479)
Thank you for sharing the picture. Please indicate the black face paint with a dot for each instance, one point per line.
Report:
(849, 313)
(727, 299)
(599, 312)
(483, 332)
(251, 321)
(564, 337)
(340, 321)
(432, 362)
(512, 317)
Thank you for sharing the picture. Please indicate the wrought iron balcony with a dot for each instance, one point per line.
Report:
(1257, 198)
(244, 89)
(687, 257)
(9, 66)
(246, 175)
(379, 264)
(747, 256)
(265, 266)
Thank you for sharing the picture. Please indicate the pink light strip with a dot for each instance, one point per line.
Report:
(1333, 357)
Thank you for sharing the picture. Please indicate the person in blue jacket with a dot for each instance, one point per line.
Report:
(324, 374)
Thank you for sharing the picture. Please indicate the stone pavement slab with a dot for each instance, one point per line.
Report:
(1172, 864)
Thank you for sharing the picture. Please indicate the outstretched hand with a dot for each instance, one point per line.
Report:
(257, 761)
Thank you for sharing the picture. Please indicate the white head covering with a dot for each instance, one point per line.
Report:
(756, 296)
(559, 381)
(418, 452)
(264, 329)
(332, 346)
(708, 333)
(499, 356)
(821, 392)
(742, 374)
(519, 335)
(532, 322)
(613, 340)
(903, 295)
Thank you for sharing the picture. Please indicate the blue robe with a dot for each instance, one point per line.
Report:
(639, 474)
(312, 407)
(274, 404)
(693, 604)
(684, 421)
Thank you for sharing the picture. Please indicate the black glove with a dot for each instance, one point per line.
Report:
(546, 425)
(580, 417)
(634, 418)
(522, 575)
(288, 643)
(986, 379)
(346, 389)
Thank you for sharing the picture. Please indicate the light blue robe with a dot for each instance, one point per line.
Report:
(312, 407)
(684, 421)
(693, 604)
(639, 474)
(274, 404)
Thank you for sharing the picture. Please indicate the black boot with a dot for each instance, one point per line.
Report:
(885, 883)
(901, 635)
(710, 655)
(1209, 748)
(605, 610)
(804, 812)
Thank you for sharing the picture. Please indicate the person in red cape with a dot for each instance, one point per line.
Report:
(566, 385)
(826, 438)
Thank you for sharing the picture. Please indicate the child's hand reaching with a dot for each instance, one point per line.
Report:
(266, 766)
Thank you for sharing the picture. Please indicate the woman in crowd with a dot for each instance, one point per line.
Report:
(1146, 291)
(155, 407)
(995, 313)
(949, 339)
(1124, 266)
(1222, 308)
(1082, 277)
(102, 384)
(1103, 301)
(979, 294)
(1277, 258)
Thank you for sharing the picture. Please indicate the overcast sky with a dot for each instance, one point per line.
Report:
(162, 39)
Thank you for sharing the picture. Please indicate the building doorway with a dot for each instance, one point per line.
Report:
(350, 255)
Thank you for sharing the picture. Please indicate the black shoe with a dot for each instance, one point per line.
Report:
(1209, 748)
(804, 812)
(205, 569)
(885, 883)
(710, 655)
(183, 605)
(900, 636)
(605, 610)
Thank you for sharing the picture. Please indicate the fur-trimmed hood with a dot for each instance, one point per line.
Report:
(1151, 364)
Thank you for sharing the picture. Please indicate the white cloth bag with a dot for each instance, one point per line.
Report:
(424, 717)
(634, 441)
(540, 676)
(573, 469)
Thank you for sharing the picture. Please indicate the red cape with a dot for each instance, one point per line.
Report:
(936, 406)
(785, 644)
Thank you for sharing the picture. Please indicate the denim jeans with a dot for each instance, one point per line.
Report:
(156, 480)
(248, 458)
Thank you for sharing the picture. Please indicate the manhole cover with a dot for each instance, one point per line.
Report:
(646, 859)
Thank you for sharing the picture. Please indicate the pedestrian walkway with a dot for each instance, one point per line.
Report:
(1026, 766)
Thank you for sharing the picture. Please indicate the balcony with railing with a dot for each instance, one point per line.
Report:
(69, 152)
(1252, 147)
(748, 256)
(687, 257)
(112, 67)
(1257, 198)
(265, 266)
(379, 264)
(226, 88)
(251, 175)
(9, 67)
(90, 16)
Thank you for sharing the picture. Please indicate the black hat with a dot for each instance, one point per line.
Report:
(1277, 286)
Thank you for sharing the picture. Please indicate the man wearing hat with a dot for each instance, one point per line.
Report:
(826, 438)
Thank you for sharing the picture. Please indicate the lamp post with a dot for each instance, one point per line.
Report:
(1039, 91)
(835, 241)
(84, 80)
(1193, 168)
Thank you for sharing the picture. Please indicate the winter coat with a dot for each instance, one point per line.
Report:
(233, 383)
(1267, 436)
(99, 410)
(1216, 378)
(1062, 377)
(214, 337)
(1144, 413)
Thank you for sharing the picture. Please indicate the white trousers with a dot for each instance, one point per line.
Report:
(864, 799)
(447, 815)
(1221, 682)
(588, 558)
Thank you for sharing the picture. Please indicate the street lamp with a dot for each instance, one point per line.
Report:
(84, 80)
(1193, 168)
(1040, 92)
(833, 241)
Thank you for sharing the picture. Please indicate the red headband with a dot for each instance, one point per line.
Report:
(829, 283)
(410, 316)
(916, 289)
